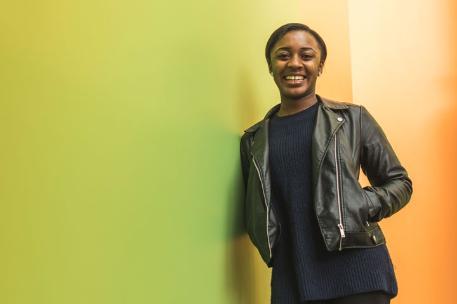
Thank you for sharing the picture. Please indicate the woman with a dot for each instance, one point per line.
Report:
(305, 210)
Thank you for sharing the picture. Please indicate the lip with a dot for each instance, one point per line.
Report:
(294, 82)
(292, 74)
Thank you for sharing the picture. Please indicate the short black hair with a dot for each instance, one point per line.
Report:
(289, 27)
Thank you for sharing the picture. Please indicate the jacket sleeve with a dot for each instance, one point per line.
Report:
(244, 156)
(391, 188)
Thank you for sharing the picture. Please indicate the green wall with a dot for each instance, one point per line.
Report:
(119, 170)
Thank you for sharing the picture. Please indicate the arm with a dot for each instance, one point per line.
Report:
(244, 156)
(391, 188)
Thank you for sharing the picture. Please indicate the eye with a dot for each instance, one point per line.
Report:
(282, 56)
(307, 56)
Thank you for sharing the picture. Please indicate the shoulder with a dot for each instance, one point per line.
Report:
(253, 128)
(340, 105)
(249, 133)
(358, 116)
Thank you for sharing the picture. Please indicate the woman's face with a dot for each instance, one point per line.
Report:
(295, 63)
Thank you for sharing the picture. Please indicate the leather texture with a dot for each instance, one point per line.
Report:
(345, 138)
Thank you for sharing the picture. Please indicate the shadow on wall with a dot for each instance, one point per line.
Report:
(241, 259)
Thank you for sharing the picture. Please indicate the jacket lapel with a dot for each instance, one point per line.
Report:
(327, 123)
(260, 150)
(328, 120)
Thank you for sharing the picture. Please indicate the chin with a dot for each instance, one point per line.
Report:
(295, 94)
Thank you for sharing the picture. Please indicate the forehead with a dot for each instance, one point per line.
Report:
(297, 39)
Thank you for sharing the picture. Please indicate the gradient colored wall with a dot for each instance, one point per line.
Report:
(404, 62)
(120, 122)
(119, 169)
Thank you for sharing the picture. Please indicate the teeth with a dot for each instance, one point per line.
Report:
(293, 77)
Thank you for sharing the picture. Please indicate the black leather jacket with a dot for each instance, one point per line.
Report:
(345, 138)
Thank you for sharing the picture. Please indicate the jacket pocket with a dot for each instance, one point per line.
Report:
(372, 208)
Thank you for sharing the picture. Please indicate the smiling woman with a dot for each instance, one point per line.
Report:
(295, 62)
(305, 210)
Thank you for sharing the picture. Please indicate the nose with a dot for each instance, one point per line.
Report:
(295, 61)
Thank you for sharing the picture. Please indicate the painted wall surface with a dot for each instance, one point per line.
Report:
(404, 62)
(120, 125)
(119, 166)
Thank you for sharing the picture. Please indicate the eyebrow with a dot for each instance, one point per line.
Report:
(288, 49)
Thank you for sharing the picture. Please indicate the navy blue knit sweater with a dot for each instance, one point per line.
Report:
(303, 269)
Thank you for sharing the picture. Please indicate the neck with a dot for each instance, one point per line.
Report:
(292, 106)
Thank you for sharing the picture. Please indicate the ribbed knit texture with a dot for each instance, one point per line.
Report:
(303, 269)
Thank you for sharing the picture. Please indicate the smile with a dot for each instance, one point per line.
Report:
(295, 77)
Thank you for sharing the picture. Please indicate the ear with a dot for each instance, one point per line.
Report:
(320, 68)
(269, 69)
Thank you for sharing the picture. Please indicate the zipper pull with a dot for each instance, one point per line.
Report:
(341, 230)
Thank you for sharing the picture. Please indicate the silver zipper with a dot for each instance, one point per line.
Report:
(265, 201)
(340, 209)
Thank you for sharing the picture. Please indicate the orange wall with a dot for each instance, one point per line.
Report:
(404, 71)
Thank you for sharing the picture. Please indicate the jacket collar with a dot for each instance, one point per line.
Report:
(328, 121)
(325, 103)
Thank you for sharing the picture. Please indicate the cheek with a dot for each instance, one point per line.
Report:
(277, 66)
(277, 80)
(276, 74)
(275, 69)
(313, 68)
